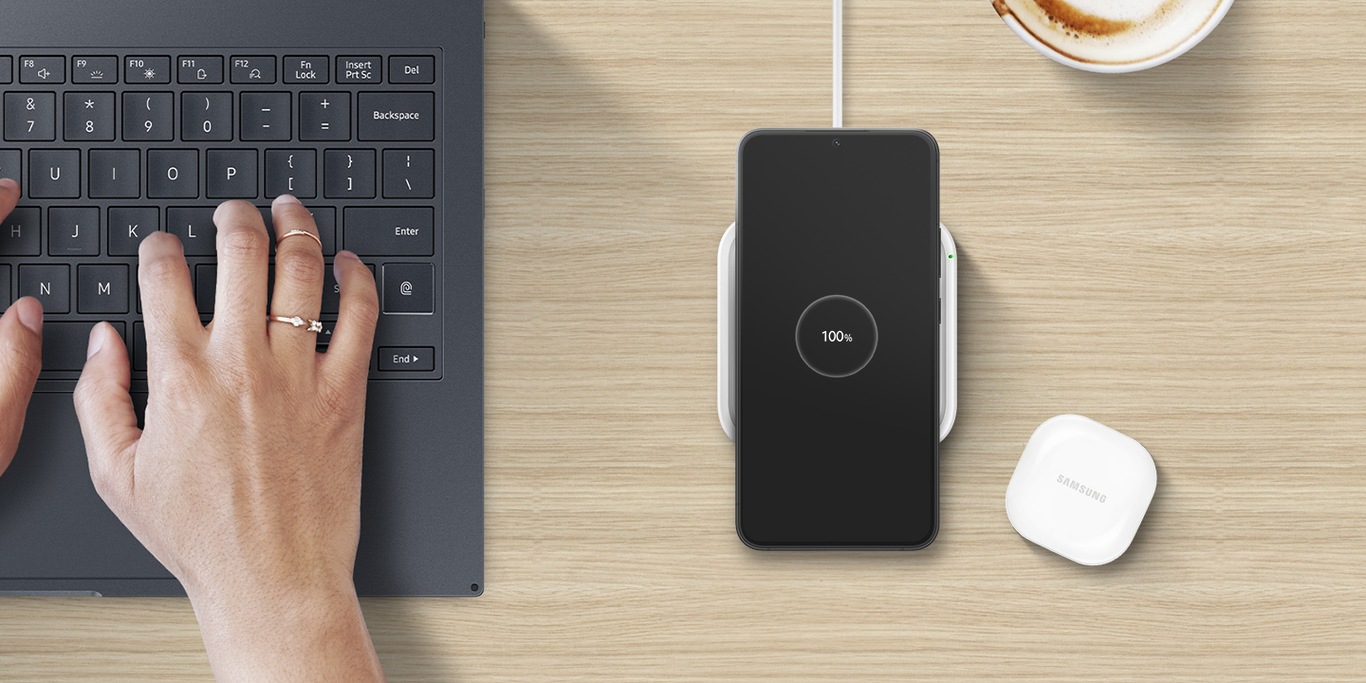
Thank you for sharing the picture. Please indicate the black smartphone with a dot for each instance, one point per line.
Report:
(837, 422)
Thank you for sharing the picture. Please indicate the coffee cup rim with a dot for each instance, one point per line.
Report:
(1216, 18)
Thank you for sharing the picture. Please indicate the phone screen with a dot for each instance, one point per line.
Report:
(837, 421)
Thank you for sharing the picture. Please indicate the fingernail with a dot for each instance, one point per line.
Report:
(97, 335)
(286, 199)
(9, 184)
(30, 314)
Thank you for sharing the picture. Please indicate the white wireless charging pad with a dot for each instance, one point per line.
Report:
(948, 332)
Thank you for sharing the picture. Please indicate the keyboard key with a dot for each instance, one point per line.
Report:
(205, 284)
(86, 70)
(266, 116)
(73, 231)
(206, 116)
(147, 70)
(231, 174)
(5, 298)
(49, 284)
(324, 116)
(194, 226)
(200, 70)
(6, 69)
(385, 231)
(407, 288)
(325, 217)
(44, 70)
(30, 116)
(115, 173)
(288, 171)
(325, 337)
(139, 347)
(89, 116)
(396, 116)
(269, 220)
(128, 226)
(332, 290)
(359, 69)
(349, 173)
(172, 173)
(11, 165)
(148, 116)
(412, 69)
(253, 70)
(54, 174)
(140, 408)
(64, 344)
(19, 232)
(306, 69)
(407, 359)
(409, 173)
(102, 289)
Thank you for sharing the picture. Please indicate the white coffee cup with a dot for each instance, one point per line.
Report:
(1112, 36)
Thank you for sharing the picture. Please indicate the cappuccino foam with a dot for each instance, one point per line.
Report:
(1111, 31)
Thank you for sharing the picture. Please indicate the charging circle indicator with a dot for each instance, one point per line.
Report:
(836, 336)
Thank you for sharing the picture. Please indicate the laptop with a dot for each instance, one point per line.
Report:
(120, 119)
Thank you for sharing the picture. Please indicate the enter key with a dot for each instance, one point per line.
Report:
(398, 231)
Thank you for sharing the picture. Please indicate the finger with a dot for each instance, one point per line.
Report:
(168, 305)
(21, 349)
(354, 336)
(243, 252)
(299, 270)
(9, 196)
(105, 410)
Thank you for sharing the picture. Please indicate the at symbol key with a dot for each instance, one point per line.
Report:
(407, 288)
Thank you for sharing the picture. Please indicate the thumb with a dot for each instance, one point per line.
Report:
(21, 357)
(105, 409)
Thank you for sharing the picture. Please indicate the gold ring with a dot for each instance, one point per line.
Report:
(315, 326)
(292, 233)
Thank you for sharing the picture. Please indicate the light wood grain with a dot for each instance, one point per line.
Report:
(1178, 254)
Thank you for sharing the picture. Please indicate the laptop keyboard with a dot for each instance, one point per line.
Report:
(112, 147)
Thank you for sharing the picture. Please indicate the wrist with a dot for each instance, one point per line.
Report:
(287, 634)
(244, 589)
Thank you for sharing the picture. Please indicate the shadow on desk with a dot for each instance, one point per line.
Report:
(406, 641)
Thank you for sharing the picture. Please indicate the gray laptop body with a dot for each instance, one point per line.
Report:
(373, 114)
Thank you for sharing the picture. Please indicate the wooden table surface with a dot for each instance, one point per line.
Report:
(1178, 254)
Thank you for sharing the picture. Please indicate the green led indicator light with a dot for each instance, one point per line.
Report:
(950, 255)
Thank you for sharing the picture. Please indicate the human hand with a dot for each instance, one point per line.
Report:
(21, 349)
(245, 480)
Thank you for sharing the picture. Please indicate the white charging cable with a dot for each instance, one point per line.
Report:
(838, 65)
